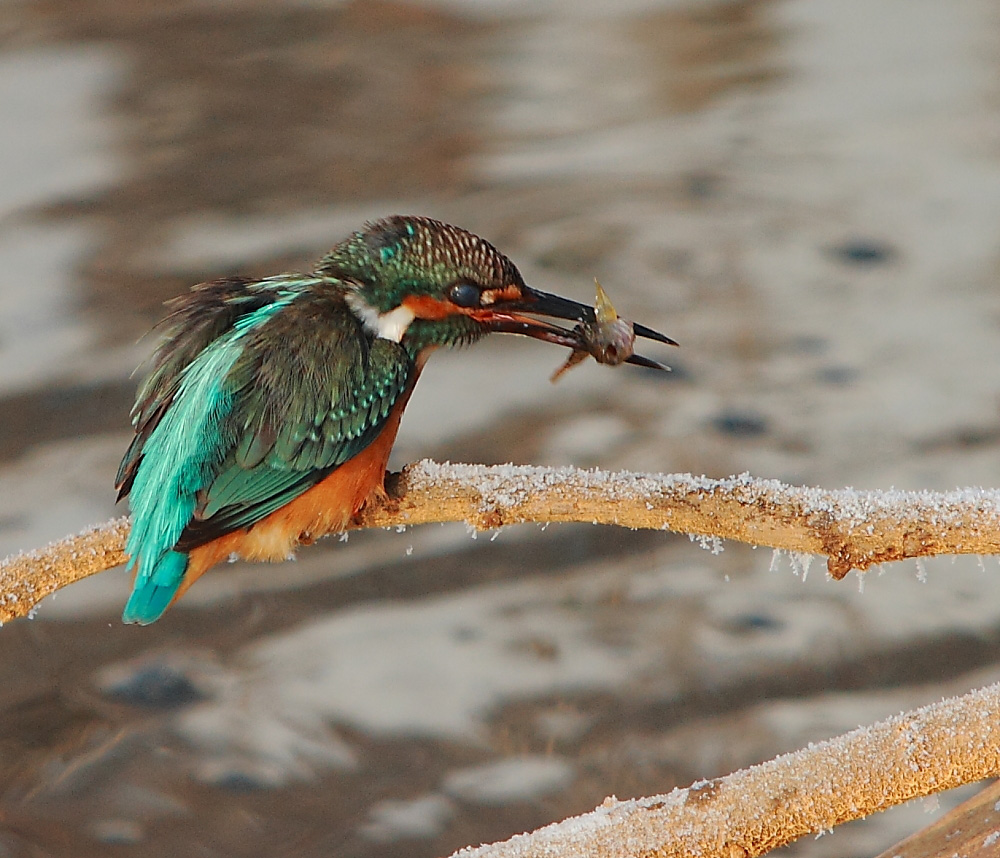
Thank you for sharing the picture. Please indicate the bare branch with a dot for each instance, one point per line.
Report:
(853, 529)
(754, 810)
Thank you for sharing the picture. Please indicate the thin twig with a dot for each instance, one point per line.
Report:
(854, 529)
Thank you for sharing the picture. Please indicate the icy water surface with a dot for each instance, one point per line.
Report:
(805, 193)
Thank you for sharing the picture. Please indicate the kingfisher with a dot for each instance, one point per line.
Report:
(270, 407)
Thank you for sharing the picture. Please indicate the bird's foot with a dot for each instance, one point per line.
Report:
(378, 498)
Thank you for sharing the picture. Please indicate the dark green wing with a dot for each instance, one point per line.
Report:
(310, 390)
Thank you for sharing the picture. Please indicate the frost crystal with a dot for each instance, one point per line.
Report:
(800, 564)
(707, 542)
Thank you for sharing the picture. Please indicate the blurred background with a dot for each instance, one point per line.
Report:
(805, 193)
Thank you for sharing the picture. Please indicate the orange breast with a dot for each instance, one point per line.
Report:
(325, 508)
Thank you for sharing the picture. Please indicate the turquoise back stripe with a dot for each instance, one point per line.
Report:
(181, 453)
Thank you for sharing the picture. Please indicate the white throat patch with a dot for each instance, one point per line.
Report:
(389, 326)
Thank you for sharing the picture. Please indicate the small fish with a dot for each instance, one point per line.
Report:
(608, 339)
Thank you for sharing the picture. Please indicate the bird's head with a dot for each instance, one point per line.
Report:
(437, 284)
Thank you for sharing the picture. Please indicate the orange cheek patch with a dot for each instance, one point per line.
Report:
(426, 307)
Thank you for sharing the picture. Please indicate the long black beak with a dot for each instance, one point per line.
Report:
(506, 318)
(546, 304)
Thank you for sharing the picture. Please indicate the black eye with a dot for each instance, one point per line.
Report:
(465, 295)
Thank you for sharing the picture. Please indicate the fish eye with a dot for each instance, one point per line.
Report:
(465, 294)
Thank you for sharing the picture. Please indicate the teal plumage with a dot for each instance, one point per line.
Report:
(263, 390)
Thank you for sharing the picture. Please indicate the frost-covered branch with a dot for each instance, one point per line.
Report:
(26, 579)
(754, 810)
(853, 529)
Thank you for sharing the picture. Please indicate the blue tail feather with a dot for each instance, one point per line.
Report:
(152, 593)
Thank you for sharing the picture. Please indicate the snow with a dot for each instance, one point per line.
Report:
(509, 780)
(418, 818)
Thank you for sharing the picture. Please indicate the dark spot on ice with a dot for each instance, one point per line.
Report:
(863, 252)
(975, 436)
(744, 424)
(967, 437)
(754, 622)
(839, 375)
(13, 522)
(702, 184)
(156, 686)
(237, 781)
(809, 344)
